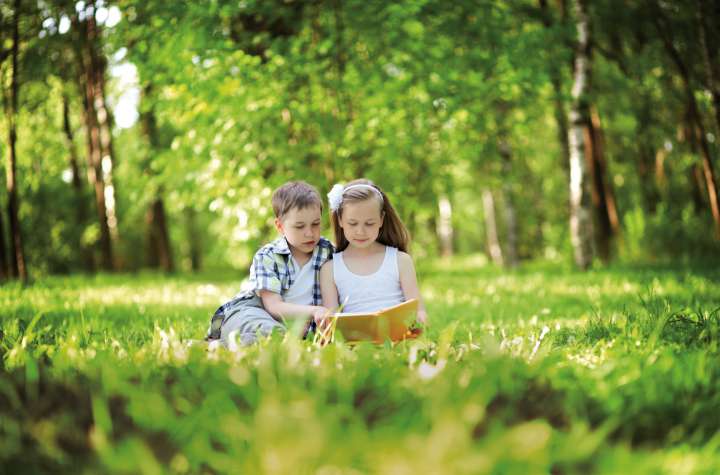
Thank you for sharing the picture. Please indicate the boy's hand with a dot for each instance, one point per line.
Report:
(320, 315)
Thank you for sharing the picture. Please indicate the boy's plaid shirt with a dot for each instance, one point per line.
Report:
(271, 270)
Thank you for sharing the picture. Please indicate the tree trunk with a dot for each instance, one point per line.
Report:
(695, 173)
(611, 202)
(709, 53)
(105, 124)
(87, 84)
(5, 271)
(493, 242)
(445, 227)
(159, 250)
(580, 223)
(649, 187)
(98, 67)
(603, 199)
(697, 129)
(95, 176)
(81, 211)
(509, 206)
(158, 246)
(16, 243)
(708, 170)
(193, 237)
(695, 177)
(661, 174)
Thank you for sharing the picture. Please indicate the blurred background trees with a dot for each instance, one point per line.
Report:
(151, 134)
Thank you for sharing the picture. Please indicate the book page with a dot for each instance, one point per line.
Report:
(354, 314)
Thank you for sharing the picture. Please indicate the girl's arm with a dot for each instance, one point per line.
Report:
(328, 290)
(409, 284)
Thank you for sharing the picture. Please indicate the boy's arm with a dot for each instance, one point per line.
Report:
(328, 290)
(275, 306)
(264, 275)
(409, 284)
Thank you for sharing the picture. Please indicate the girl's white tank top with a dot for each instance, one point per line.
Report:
(369, 293)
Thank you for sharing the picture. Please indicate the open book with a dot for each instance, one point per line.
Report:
(391, 323)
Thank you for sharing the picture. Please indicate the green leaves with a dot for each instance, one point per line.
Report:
(416, 95)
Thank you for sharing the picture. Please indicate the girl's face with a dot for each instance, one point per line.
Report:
(361, 222)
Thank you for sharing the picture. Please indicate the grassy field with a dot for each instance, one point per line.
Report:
(538, 370)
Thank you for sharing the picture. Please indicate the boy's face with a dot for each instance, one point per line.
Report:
(301, 228)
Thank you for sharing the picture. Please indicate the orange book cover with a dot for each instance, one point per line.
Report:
(391, 323)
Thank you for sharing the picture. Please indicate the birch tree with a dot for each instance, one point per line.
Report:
(580, 217)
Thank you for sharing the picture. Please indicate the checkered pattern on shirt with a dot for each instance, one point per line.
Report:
(272, 269)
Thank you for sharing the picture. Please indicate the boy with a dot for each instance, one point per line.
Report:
(284, 274)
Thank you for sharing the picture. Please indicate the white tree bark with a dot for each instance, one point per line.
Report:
(580, 216)
(445, 227)
(494, 248)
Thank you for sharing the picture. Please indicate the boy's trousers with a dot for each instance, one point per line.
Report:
(245, 319)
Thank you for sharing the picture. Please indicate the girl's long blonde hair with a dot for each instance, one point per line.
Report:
(392, 233)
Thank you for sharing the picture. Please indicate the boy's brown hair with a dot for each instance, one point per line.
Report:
(295, 194)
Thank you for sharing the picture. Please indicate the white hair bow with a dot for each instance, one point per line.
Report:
(335, 197)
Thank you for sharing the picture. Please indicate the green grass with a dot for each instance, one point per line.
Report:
(538, 370)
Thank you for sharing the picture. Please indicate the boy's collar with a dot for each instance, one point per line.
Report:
(281, 245)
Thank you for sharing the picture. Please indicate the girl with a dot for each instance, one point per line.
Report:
(371, 269)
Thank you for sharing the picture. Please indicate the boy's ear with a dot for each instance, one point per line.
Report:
(279, 225)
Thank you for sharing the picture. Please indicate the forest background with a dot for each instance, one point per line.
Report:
(556, 163)
(150, 134)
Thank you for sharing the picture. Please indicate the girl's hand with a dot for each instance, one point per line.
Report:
(422, 316)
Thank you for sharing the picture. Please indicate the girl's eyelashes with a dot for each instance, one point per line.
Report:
(354, 223)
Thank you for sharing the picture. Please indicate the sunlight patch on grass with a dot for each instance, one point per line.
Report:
(523, 372)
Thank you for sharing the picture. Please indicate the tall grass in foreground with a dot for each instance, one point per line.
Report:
(533, 371)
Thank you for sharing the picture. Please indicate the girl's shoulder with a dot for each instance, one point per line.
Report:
(395, 250)
(404, 259)
(328, 263)
(327, 268)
